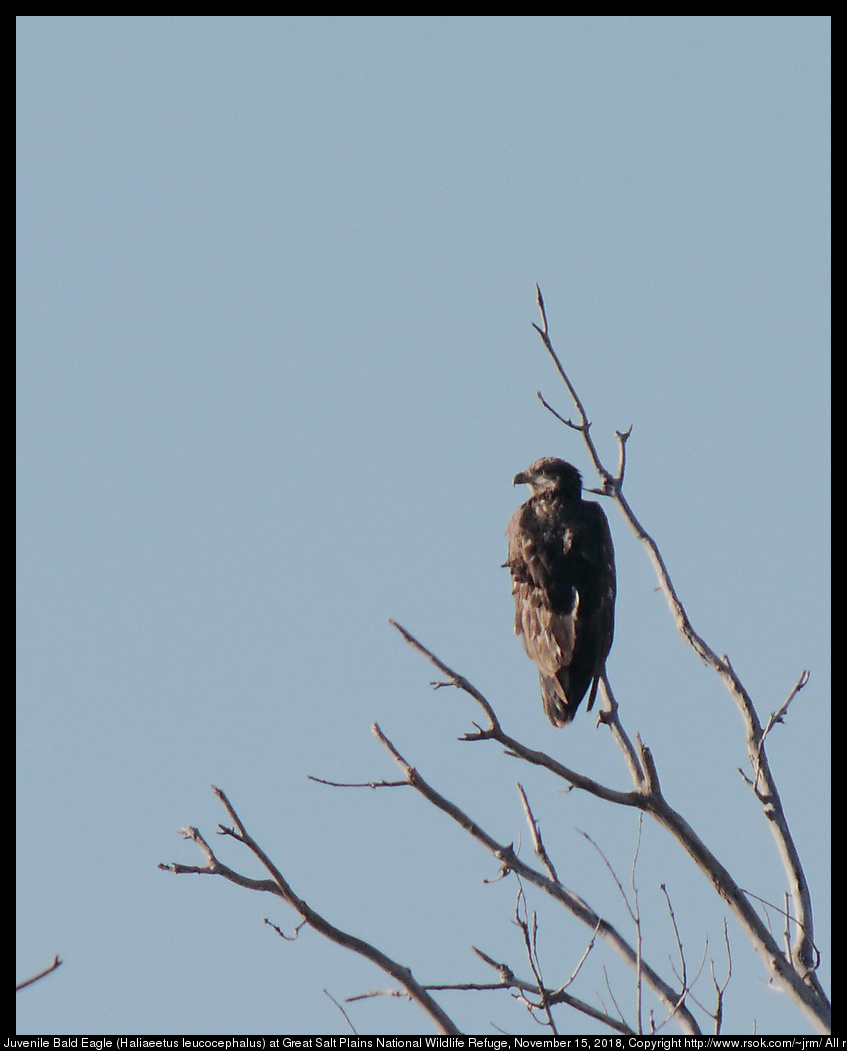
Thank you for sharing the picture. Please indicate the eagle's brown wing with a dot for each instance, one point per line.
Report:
(548, 634)
(563, 581)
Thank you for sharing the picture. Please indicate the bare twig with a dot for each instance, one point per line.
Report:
(591, 942)
(454, 678)
(41, 974)
(683, 976)
(636, 919)
(358, 784)
(789, 920)
(720, 987)
(529, 930)
(610, 991)
(341, 1009)
(374, 993)
(631, 907)
(554, 996)
(779, 715)
(584, 424)
(287, 937)
(540, 849)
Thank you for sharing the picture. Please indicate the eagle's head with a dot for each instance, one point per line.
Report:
(551, 475)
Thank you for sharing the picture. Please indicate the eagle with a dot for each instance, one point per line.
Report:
(562, 564)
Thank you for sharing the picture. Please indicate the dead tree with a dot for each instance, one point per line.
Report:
(791, 967)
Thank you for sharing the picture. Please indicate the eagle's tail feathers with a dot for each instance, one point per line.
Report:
(557, 707)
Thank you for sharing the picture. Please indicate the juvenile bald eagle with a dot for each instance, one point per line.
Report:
(562, 563)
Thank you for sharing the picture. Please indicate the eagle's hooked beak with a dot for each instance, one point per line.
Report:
(522, 478)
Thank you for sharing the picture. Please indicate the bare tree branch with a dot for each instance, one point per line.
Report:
(454, 679)
(779, 716)
(720, 987)
(554, 996)
(495, 732)
(608, 715)
(358, 784)
(41, 974)
(649, 798)
(341, 1009)
(540, 849)
(529, 930)
(510, 860)
(279, 885)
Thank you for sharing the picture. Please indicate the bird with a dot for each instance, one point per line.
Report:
(562, 564)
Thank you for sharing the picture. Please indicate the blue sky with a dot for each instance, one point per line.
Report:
(276, 372)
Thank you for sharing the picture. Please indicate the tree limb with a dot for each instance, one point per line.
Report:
(279, 885)
(580, 909)
(649, 798)
(41, 974)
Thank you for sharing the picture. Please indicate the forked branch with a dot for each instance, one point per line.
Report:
(278, 885)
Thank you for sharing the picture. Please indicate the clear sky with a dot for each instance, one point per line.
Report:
(276, 373)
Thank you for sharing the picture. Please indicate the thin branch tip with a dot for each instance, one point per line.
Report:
(57, 962)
